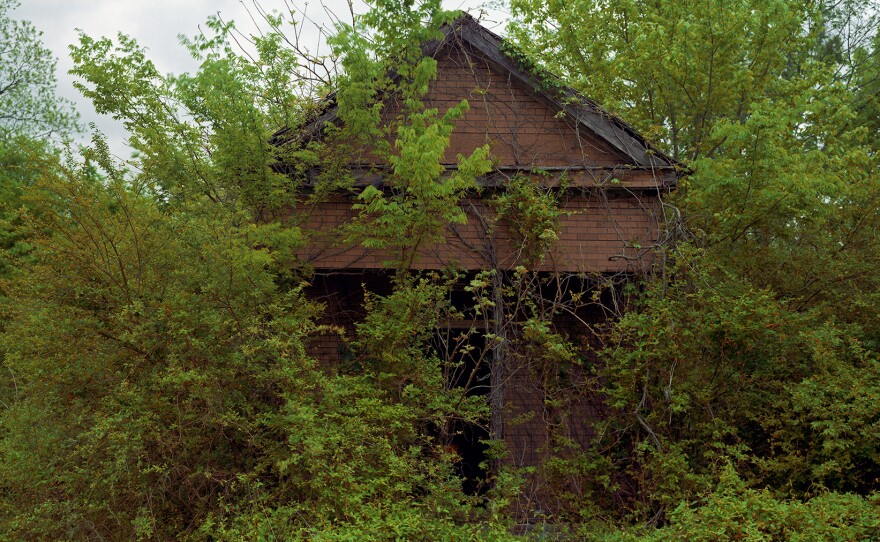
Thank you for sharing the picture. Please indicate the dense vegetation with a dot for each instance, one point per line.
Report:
(154, 320)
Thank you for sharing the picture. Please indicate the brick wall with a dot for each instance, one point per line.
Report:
(608, 228)
(549, 412)
(520, 128)
(600, 233)
(605, 231)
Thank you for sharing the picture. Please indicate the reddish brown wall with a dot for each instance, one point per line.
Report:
(592, 238)
(603, 231)
(549, 413)
(523, 131)
(520, 128)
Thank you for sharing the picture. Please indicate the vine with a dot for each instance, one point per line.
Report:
(533, 215)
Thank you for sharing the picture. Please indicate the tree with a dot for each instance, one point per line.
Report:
(28, 104)
(748, 95)
(32, 118)
(161, 387)
(22, 161)
(776, 290)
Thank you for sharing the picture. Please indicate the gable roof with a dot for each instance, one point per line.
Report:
(584, 111)
(467, 31)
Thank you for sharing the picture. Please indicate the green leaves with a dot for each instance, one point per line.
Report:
(419, 198)
(759, 347)
(28, 105)
(207, 134)
(381, 113)
(671, 69)
(533, 214)
(781, 185)
(156, 337)
(143, 334)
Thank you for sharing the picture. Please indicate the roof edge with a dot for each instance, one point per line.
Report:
(611, 128)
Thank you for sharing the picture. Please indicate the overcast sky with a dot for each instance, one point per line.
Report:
(156, 25)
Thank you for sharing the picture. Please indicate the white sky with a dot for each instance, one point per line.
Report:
(156, 25)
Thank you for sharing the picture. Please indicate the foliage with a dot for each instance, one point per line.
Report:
(673, 69)
(705, 373)
(732, 511)
(382, 57)
(157, 316)
(22, 162)
(757, 345)
(28, 105)
(421, 201)
(167, 393)
(533, 214)
(709, 375)
(150, 370)
(32, 119)
(784, 176)
(826, 426)
(205, 134)
(156, 340)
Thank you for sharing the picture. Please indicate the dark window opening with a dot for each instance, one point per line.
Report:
(466, 367)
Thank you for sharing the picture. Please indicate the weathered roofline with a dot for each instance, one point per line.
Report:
(609, 127)
(586, 112)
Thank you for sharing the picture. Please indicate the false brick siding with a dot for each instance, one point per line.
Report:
(593, 237)
(325, 348)
(520, 128)
(342, 296)
(603, 231)
(531, 422)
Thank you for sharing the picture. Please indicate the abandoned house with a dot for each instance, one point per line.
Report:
(608, 183)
